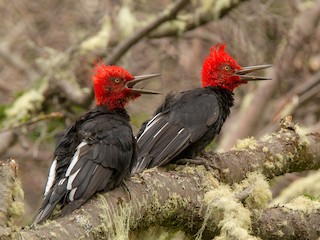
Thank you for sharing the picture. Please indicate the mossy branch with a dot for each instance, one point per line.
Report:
(187, 198)
(290, 221)
(289, 150)
(11, 206)
(207, 12)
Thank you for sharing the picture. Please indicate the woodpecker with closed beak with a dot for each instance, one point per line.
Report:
(185, 123)
(98, 151)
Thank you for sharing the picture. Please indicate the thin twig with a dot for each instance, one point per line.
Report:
(34, 120)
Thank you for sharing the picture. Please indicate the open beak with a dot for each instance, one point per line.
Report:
(243, 77)
(141, 78)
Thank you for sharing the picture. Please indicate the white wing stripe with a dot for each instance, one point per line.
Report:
(71, 179)
(172, 141)
(61, 181)
(160, 130)
(75, 158)
(152, 122)
(51, 177)
(72, 193)
(180, 131)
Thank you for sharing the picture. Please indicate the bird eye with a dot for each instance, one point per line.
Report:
(227, 68)
(116, 80)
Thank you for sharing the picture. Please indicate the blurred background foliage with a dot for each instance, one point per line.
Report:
(48, 50)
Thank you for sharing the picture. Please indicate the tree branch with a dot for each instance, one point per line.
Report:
(159, 197)
(11, 194)
(143, 32)
(287, 223)
(205, 14)
(39, 118)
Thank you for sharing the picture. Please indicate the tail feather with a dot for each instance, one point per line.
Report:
(50, 201)
(43, 214)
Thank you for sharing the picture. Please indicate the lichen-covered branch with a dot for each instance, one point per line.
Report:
(226, 201)
(154, 198)
(11, 206)
(289, 150)
(297, 220)
(209, 11)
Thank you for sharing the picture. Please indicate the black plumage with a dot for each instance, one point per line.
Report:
(186, 123)
(93, 155)
(98, 151)
(182, 126)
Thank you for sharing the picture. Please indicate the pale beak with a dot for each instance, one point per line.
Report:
(141, 78)
(241, 73)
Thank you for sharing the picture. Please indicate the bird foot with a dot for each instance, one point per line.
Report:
(126, 189)
(204, 160)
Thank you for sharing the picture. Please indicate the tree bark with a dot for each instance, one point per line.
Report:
(11, 193)
(178, 198)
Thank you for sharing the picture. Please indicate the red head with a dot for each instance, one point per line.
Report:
(113, 86)
(220, 69)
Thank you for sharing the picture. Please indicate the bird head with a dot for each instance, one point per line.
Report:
(220, 69)
(114, 86)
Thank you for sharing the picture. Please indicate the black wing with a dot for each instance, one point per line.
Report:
(101, 160)
(177, 124)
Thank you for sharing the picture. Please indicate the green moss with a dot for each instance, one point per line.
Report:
(186, 169)
(245, 144)
(116, 225)
(304, 205)
(260, 194)
(303, 138)
(199, 172)
(232, 217)
(266, 138)
(17, 189)
(210, 181)
(84, 222)
(280, 161)
(16, 207)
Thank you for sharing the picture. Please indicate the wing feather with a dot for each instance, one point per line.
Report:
(175, 126)
(101, 159)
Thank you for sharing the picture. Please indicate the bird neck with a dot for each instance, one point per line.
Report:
(222, 84)
(225, 96)
(111, 102)
(101, 109)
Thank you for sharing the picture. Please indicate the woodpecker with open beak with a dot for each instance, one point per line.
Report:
(185, 123)
(98, 151)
